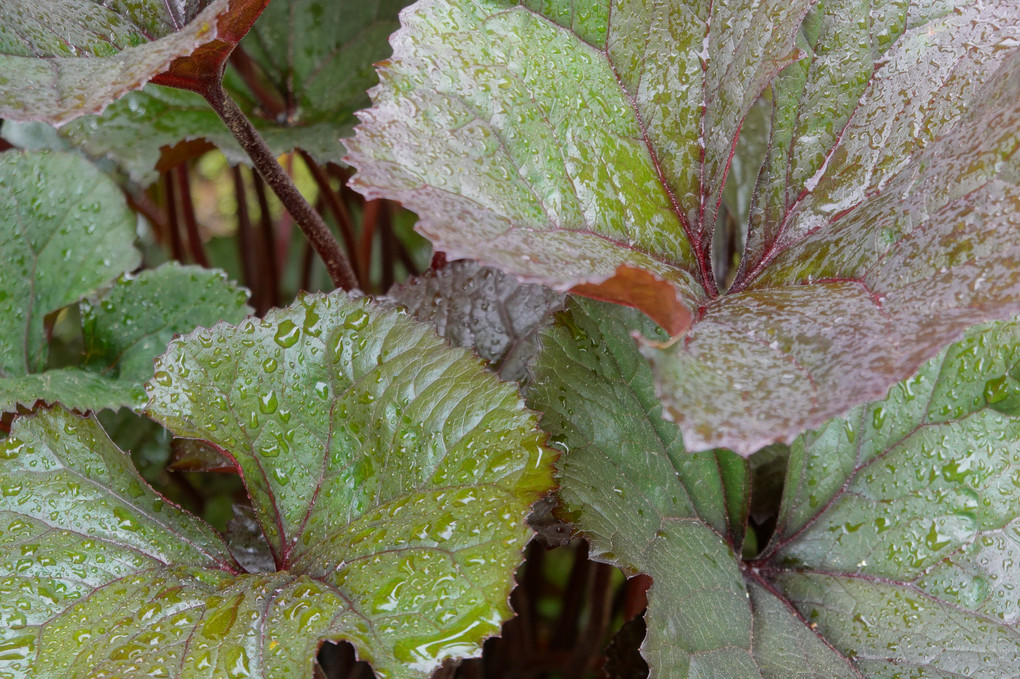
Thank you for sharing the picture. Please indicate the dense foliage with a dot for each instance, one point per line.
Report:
(733, 314)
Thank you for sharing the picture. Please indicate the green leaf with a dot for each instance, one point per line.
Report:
(60, 59)
(647, 505)
(82, 535)
(898, 534)
(308, 94)
(894, 549)
(318, 59)
(67, 232)
(384, 466)
(130, 324)
(587, 149)
(482, 309)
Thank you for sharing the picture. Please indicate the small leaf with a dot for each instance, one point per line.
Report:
(649, 506)
(60, 59)
(382, 465)
(129, 325)
(482, 309)
(66, 231)
(588, 150)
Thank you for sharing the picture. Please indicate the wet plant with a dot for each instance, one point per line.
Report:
(711, 369)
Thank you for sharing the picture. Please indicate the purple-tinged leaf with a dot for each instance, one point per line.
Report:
(482, 309)
(587, 150)
(649, 506)
(60, 59)
(571, 149)
(895, 549)
(898, 534)
(308, 66)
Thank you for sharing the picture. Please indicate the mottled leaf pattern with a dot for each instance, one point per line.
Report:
(890, 176)
(482, 309)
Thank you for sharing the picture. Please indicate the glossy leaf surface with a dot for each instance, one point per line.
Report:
(60, 59)
(894, 554)
(482, 309)
(308, 68)
(124, 329)
(587, 148)
(67, 232)
(647, 505)
(380, 462)
(898, 534)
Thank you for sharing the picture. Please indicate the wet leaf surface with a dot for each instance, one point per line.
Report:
(127, 326)
(381, 463)
(60, 59)
(100, 576)
(309, 64)
(67, 233)
(895, 546)
(891, 178)
(482, 309)
(898, 534)
(647, 505)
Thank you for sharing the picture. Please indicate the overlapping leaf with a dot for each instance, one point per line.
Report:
(900, 528)
(66, 231)
(895, 546)
(60, 59)
(385, 468)
(309, 68)
(647, 505)
(587, 149)
(422, 468)
(482, 309)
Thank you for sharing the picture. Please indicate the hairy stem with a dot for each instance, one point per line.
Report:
(311, 223)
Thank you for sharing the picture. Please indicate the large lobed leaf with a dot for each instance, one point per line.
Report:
(60, 59)
(896, 541)
(647, 505)
(310, 64)
(587, 148)
(67, 232)
(390, 474)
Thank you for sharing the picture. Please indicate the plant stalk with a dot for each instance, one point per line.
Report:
(308, 219)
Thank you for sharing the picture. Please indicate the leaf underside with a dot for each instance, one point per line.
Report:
(482, 309)
(574, 146)
(894, 550)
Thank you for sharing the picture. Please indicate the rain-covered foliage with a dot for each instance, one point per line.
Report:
(708, 366)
